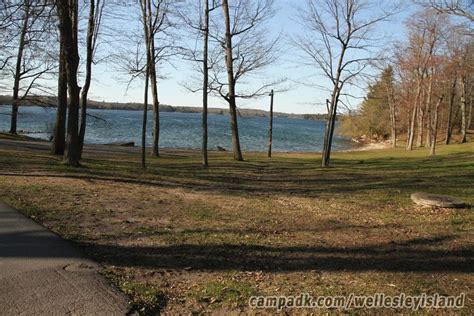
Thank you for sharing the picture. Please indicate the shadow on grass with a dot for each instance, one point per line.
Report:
(296, 176)
(416, 255)
(429, 254)
(310, 186)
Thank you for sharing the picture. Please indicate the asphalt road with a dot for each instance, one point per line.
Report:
(42, 274)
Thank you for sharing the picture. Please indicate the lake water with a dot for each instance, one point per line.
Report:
(181, 130)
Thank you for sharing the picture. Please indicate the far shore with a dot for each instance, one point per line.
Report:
(50, 102)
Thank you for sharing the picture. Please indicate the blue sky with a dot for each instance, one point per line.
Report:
(298, 99)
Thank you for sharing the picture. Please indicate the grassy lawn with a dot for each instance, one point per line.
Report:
(179, 238)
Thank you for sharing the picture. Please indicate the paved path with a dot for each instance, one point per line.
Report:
(41, 274)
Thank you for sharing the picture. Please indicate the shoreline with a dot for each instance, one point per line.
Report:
(360, 148)
(386, 144)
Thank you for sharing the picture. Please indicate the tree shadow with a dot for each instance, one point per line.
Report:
(415, 255)
(300, 177)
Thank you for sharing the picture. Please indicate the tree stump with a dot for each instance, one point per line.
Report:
(429, 199)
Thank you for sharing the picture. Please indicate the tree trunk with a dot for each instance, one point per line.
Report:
(146, 15)
(145, 118)
(156, 103)
(393, 116)
(463, 111)
(19, 59)
(68, 28)
(231, 98)
(270, 127)
(205, 86)
(411, 132)
(469, 116)
(329, 133)
(434, 132)
(87, 83)
(153, 81)
(59, 142)
(428, 111)
(449, 129)
(421, 126)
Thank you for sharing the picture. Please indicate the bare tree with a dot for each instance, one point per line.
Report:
(27, 21)
(9, 31)
(452, 96)
(59, 133)
(463, 8)
(145, 112)
(199, 25)
(428, 110)
(246, 50)
(145, 50)
(157, 29)
(334, 30)
(434, 126)
(134, 63)
(466, 80)
(146, 20)
(68, 21)
(459, 52)
(205, 81)
(96, 8)
(426, 30)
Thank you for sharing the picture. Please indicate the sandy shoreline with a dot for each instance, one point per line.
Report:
(370, 146)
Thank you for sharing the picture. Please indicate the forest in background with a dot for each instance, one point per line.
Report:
(425, 91)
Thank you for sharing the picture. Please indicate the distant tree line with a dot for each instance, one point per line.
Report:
(50, 101)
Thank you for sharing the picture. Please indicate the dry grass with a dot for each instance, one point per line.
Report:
(179, 238)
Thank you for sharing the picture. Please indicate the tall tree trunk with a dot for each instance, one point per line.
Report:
(87, 83)
(434, 127)
(463, 111)
(331, 123)
(154, 84)
(411, 132)
(68, 27)
(231, 98)
(469, 116)
(270, 127)
(145, 118)
(146, 11)
(449, 128)
(205, 85)
(329, 133)
(59, 142)
(393, 115)
(421, 126)
(19, 59)
(428, 111)
(156, 103)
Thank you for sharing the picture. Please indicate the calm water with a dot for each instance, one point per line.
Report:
(181, 130)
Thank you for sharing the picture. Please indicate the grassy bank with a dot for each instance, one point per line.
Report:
(179, 238)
